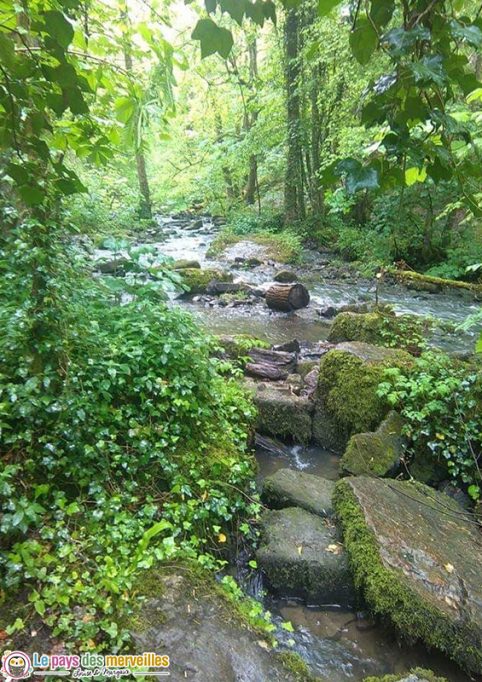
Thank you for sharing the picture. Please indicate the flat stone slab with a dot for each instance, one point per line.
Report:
(204, 637)
(417, 556)
(292, 488)
(281, 412)
(302, 556)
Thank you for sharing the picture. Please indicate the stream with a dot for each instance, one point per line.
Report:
(338, 644)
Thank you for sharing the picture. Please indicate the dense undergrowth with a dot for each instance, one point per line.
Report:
(124, 443)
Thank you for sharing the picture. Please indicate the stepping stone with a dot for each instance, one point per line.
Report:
(292, 488)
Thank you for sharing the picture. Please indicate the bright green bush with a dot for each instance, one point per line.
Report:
(441, 402)
(125, 447)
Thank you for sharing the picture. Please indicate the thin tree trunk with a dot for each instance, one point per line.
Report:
(293, 192)
(250, 120)
(145, 208)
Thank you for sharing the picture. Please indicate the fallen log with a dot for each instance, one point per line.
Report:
(270, 364)
(287, 297)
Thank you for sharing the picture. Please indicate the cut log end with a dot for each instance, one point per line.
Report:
(287, 297)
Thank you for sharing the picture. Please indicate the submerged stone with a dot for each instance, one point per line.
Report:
(416, 557)
(301, 556)
(377, 452)
(346, 395)
(416, 675)
(292, 488)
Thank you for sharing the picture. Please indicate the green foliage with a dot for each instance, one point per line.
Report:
(130, 451)
(440, 400)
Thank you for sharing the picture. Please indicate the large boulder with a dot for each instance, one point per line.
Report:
(416, 557)
(377, 452)
(184, 615)
(293, 488)
(346, 395)
(301, 556)
(198, 280)
(281, 412)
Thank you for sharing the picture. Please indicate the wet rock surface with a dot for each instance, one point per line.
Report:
(301, 555)
(417, 557)
(291, 488)
(206, 641)
(378, 453)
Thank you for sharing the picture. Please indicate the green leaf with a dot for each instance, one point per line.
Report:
(413, 175)
(357, 176)
(326, 6)
(33, 196)
(381, 11)
(400, 42)
(235, 9)
(429, 70)
(213, 38)
(470, 34)
(59, 27)
(254, 11)
(363, 41)
(210, 5)
(7, 50)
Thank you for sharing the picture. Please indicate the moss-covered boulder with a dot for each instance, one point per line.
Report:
(281, 413)
(184, 264)
(415, 675)
(237, 346)
(185, 614)
(382, 328)
(197, 280)
(301, 556)
(293, 488)
(416, 557)
(378, 452)
(346, 396)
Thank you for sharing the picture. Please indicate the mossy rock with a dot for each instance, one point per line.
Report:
(415, 675)
(184, 264)
(207, 634)
(382, 328)
(301, 557)
(281, 413)
(415, 557)
(419, 282)
(346, 396)
(237, 346)
(292, 488)
(377, 453)
(197, 280)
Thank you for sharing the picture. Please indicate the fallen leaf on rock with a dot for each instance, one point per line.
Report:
(449, 568)
(334, 549)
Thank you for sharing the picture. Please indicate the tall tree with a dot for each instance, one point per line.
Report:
(293, 193)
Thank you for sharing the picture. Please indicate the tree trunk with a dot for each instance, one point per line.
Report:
(316, 193)
(145, 207)
(293, 194)
(249, 121)
(287, 297)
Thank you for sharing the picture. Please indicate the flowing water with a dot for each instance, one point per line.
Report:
(338, 644)
(174, 240)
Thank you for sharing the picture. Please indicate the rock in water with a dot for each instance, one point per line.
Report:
(301, 556)
(185, 617)
(416, 555)
(282, 413)
(287, 297)
(292, 488)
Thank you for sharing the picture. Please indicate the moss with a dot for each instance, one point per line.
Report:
(283, 247)
(388, 593)
(377, 453)
(382, 328)
(294, 664)
(284, 414)
(239, 345)
(198, 280)
(422, 673)
(427, 283)
(346, 397)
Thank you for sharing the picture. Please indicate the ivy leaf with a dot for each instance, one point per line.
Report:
(235, 9)
(325, 6)
(59, 27)
(363, 41)
(429, 70)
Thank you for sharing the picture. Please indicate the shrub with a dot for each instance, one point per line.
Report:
(441, 402)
